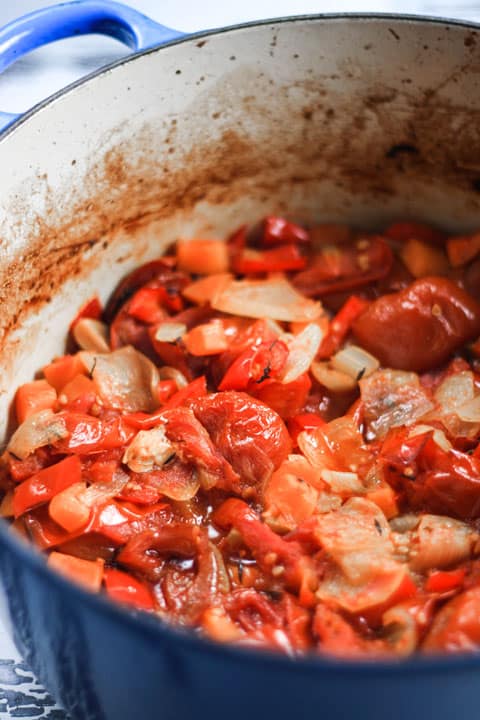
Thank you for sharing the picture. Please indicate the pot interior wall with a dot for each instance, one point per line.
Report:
(357, 120)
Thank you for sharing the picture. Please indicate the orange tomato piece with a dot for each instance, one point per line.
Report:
(33, 397)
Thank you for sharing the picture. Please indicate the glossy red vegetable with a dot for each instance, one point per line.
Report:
(285, 489)
(341, 268)
(250, 436)
(420, 327)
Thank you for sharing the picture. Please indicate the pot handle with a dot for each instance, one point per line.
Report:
(80, 17)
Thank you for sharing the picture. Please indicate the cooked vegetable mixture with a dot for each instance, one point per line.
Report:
(273, 440)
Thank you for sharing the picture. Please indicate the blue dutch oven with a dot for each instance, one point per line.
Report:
(353, 118)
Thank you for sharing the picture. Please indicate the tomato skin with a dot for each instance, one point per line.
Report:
(278, 231)
(431, 479)
(405, 230)
(156, 272)
(420, 327)
(456, 627)
(88, 434)
(345, 267)
(282, 259)
(252, 437)
(262, 541)
(286, 399)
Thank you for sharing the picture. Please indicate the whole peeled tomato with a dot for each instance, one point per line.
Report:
(251, 436)
(419, 327)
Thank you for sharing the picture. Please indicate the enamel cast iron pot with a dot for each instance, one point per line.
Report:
(360, 119)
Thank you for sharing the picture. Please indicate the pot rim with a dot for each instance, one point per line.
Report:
(151, 628)
(407, 18)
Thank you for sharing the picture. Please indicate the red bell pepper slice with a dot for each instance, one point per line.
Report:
(340, 326)
(303, 421)
(281, 259)
(257, 363)
(126, 589)
(441, 581)
(286, 399)
(41, 487)
(278, 231)
(269, 550)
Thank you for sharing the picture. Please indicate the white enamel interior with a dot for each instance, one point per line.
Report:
(296, 117)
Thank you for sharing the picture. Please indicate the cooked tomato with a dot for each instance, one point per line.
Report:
(420, 327)
(305, 480)
(251, 437)
(338, 268)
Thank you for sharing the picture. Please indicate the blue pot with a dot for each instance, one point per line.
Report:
(379, 147)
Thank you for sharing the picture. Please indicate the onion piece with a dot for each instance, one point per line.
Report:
(355, 361)
(100, 492)
(170, 332)
(274, 298)
(470, 411)
(42, 428)
(439, 542)
(302, 349)
(332, 379)
(125, 379)
(342, 483)
(90, 334)
(148, 450)
(170, 373)
(392, 398)
(438, 436)
(456, 390)
(402, 629)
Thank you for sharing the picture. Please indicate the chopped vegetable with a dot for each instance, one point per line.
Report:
(33, 397)
(204, 257)
(291, 473)
(275, 299)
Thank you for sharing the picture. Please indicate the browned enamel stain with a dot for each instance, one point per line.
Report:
(367, 140)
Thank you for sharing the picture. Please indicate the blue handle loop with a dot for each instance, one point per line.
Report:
(80, 17)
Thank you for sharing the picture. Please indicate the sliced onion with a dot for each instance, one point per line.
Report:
(148, 450)
(402, 629)
(170, 332)
(392, 398)
(100, 492)
(343, 483)
(42, 428)
(439, 542)
(274, 298)
(170, 373)
(332, 379)
(470, 411)
(355, 362)
(302, 350)
(207, 288)
(357, 537)
(438, 436)
(458, 409)
(90, 334)
(455, 391)
(125, 379)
